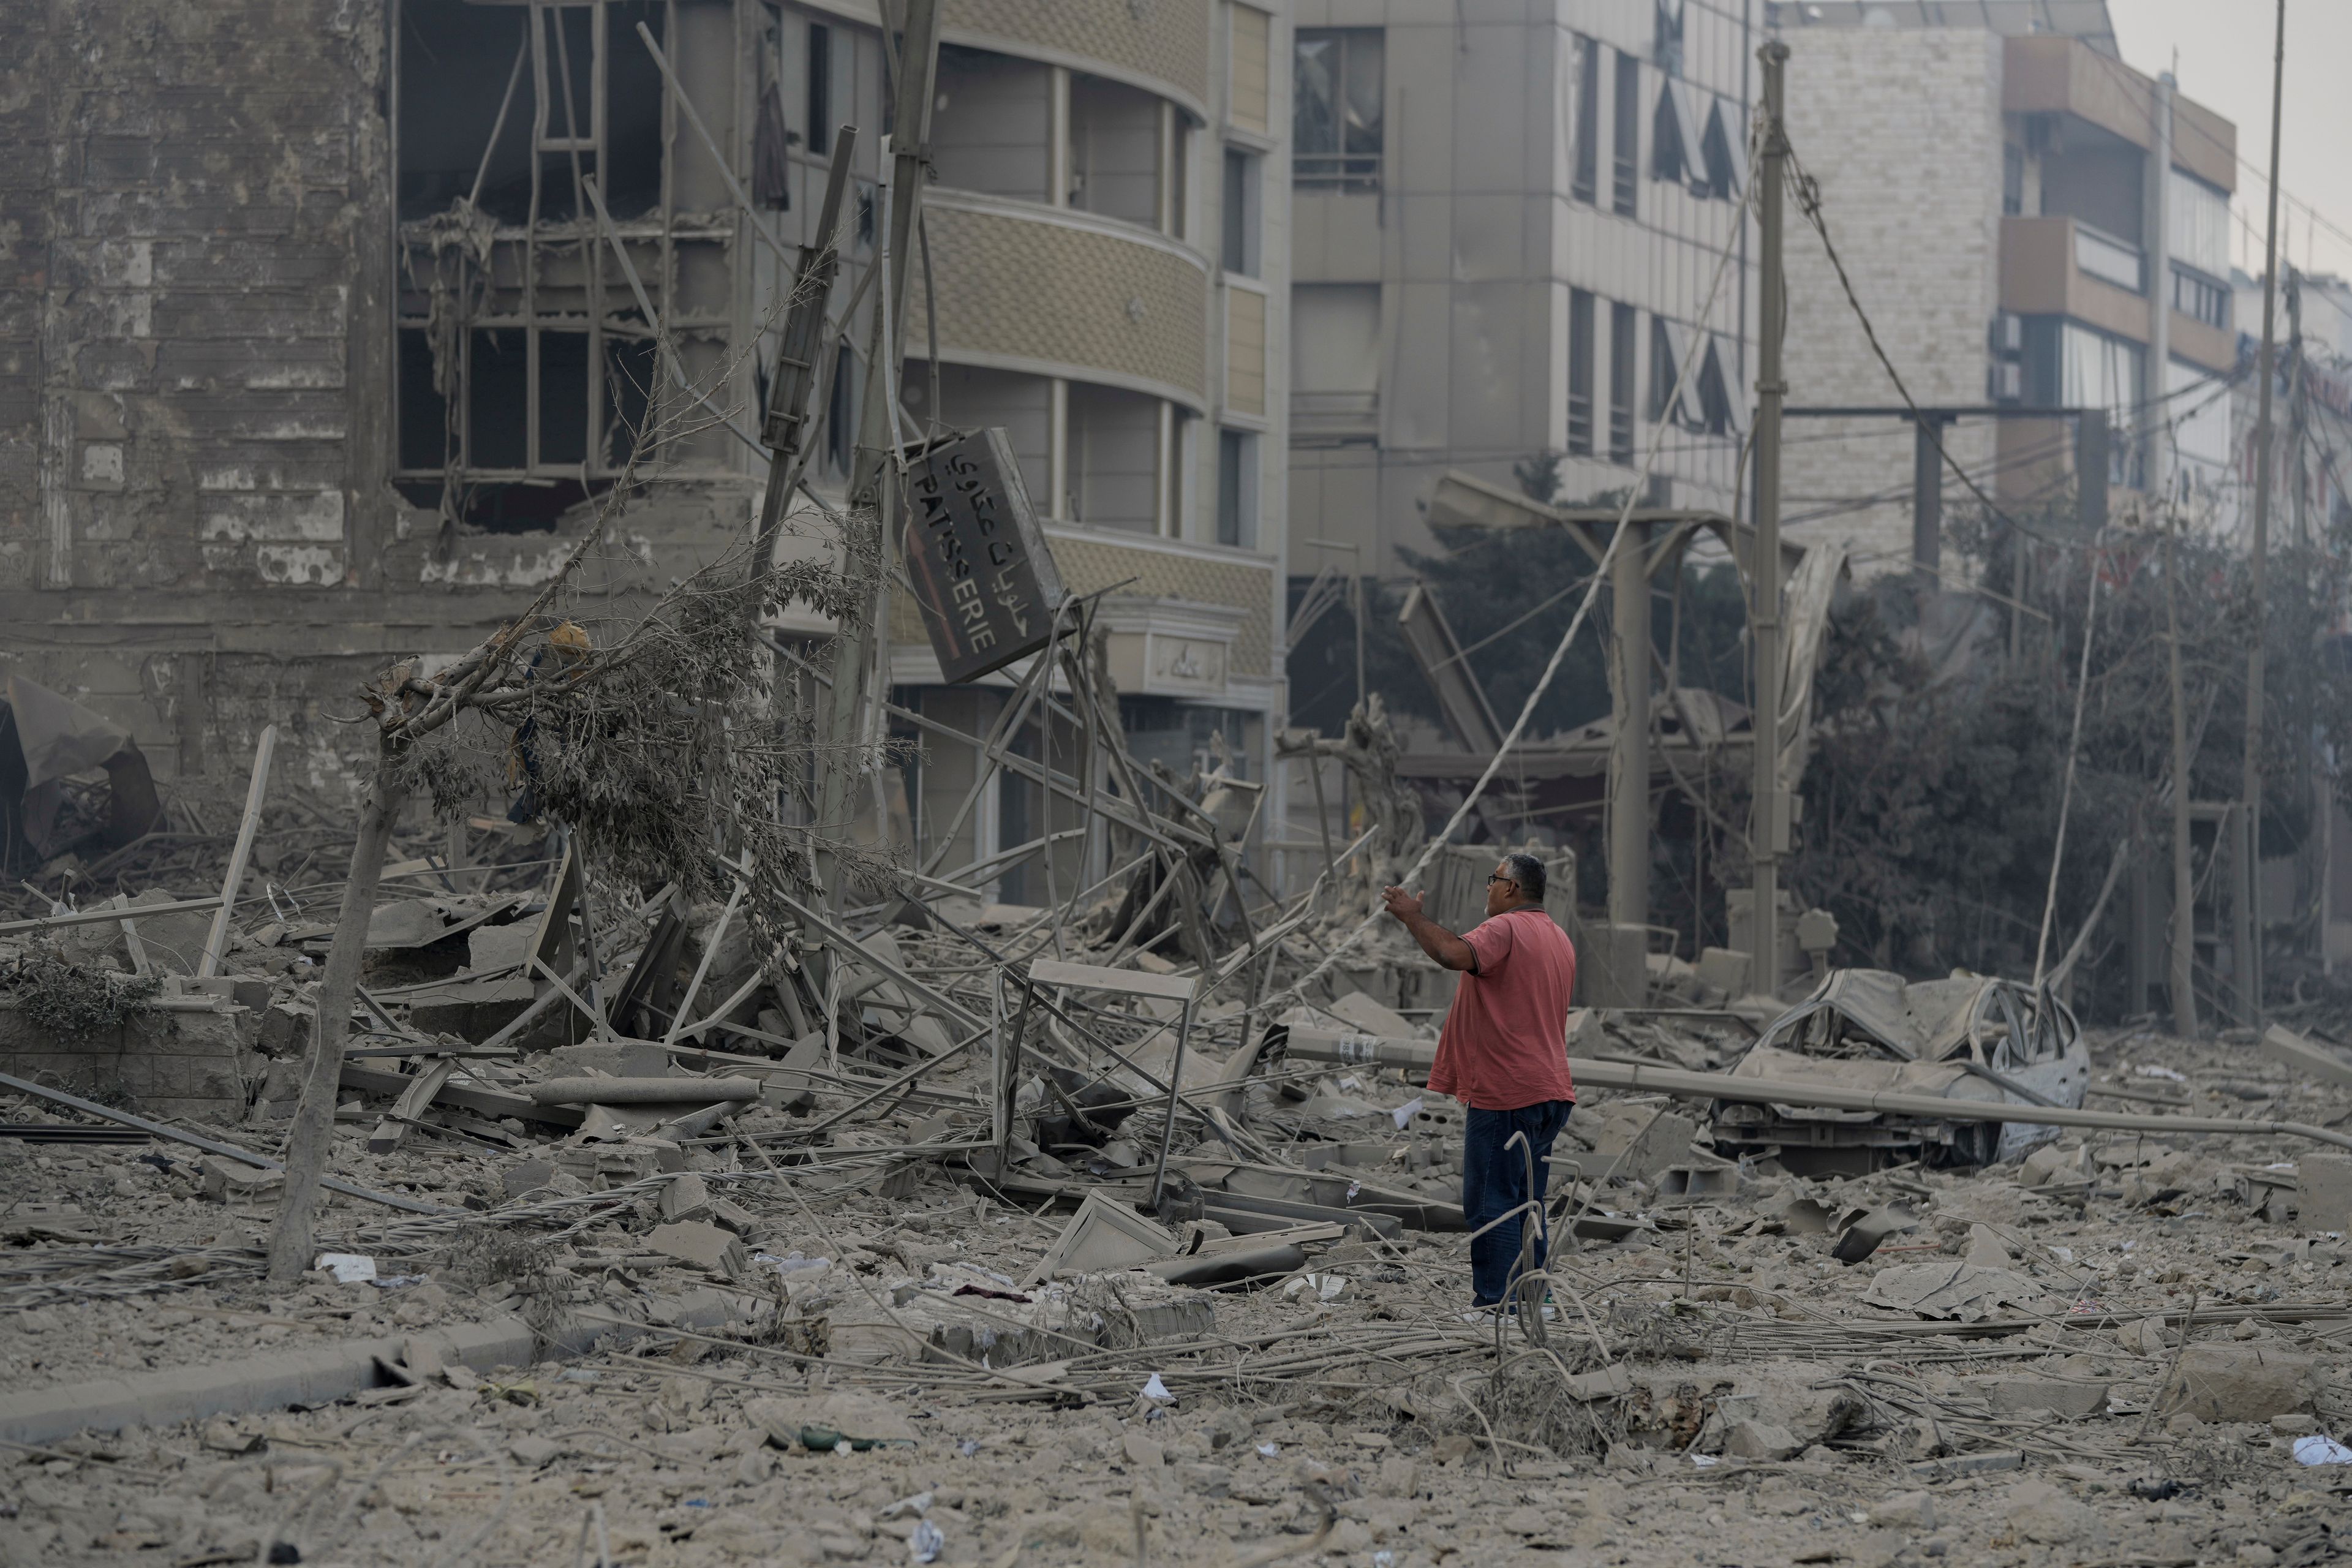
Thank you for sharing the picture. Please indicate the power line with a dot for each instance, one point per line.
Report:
(1617, 540)
(1807, 191)
(2114, 67)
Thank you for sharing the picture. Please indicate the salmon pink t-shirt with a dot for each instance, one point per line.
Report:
(1505, 1044)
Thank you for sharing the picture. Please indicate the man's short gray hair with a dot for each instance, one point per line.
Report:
(1527, 872)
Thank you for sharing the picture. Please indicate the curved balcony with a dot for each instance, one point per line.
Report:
(1162, 47)
(1052, 291)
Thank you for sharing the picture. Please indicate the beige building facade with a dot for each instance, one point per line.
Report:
(2030, 224)
(1507, 219)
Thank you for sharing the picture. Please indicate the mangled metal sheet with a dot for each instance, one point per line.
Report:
(1972, 1037)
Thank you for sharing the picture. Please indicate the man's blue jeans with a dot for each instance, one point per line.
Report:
(1495, 1181)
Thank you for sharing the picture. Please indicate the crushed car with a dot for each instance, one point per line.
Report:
(1968, 1038)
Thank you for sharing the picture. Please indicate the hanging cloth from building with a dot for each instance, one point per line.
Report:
(772, 154)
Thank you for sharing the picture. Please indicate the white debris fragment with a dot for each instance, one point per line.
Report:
(348, 1268)
(2320, 1450)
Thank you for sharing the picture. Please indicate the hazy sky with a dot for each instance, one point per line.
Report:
(2220, 52)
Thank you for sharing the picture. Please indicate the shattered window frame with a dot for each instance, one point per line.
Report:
(1339, 112)
(472, 281)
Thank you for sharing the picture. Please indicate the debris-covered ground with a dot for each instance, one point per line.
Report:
(776, 1227)
(852, 1354)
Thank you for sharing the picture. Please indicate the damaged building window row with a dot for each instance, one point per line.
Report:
(548, 172)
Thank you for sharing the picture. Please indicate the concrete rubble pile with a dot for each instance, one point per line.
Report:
(947, 1230)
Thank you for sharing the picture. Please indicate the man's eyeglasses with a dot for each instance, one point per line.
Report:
(1512, 880)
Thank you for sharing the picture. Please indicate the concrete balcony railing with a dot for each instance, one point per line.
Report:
(1163, 45)
(1053, 291)
(2041, 274)
(2058, 266)
(2050, 74)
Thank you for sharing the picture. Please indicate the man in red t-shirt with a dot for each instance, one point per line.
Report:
(1504, 1054)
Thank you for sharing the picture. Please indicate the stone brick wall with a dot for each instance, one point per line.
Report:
(188, 244)
(1902, 128)
(195, 1064)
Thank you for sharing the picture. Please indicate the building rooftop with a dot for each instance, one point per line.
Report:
(2085, 19)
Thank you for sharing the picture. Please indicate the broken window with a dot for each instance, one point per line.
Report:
(1335, 110)
(1621, 384)
(1667, 402)
(1584, 185)
(1675, 135)
(1720, 410)
(1239, 227)
(1580, 372)
(1237, 488)
(820, 89)
(1626, 148)
(1723, 148)
(1115, 148)
(1115, 458)
(992, 124)
(1669, 37)
(524, 361)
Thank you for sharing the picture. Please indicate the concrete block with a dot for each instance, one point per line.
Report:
(1904, 1510)
(2036, 1511)
(2323, 1190)
(1759, 1440)
(2017, 1393)
(529, 1177)
(686, 1197)
(2240, 1383)
(703, 1246)
(1723, 971)
(2307, 1059)
(1643, 1137)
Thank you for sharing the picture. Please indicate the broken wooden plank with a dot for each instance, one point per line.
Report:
(108, 911)
(256, 789)
(1123, 982)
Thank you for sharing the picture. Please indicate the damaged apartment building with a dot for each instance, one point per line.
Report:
(2060, 225)
(324, 328)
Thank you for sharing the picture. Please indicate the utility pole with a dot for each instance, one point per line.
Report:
(2296, 397)
(2183, 983)
(2153, 434)
(1767, 826)
(2248, 954)
(1629, 756)
(862, 649)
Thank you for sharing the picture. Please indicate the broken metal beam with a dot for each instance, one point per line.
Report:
(213, 1145)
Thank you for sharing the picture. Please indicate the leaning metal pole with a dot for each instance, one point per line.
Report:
(2248, 958)
(861, 659)
(1767, 814)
